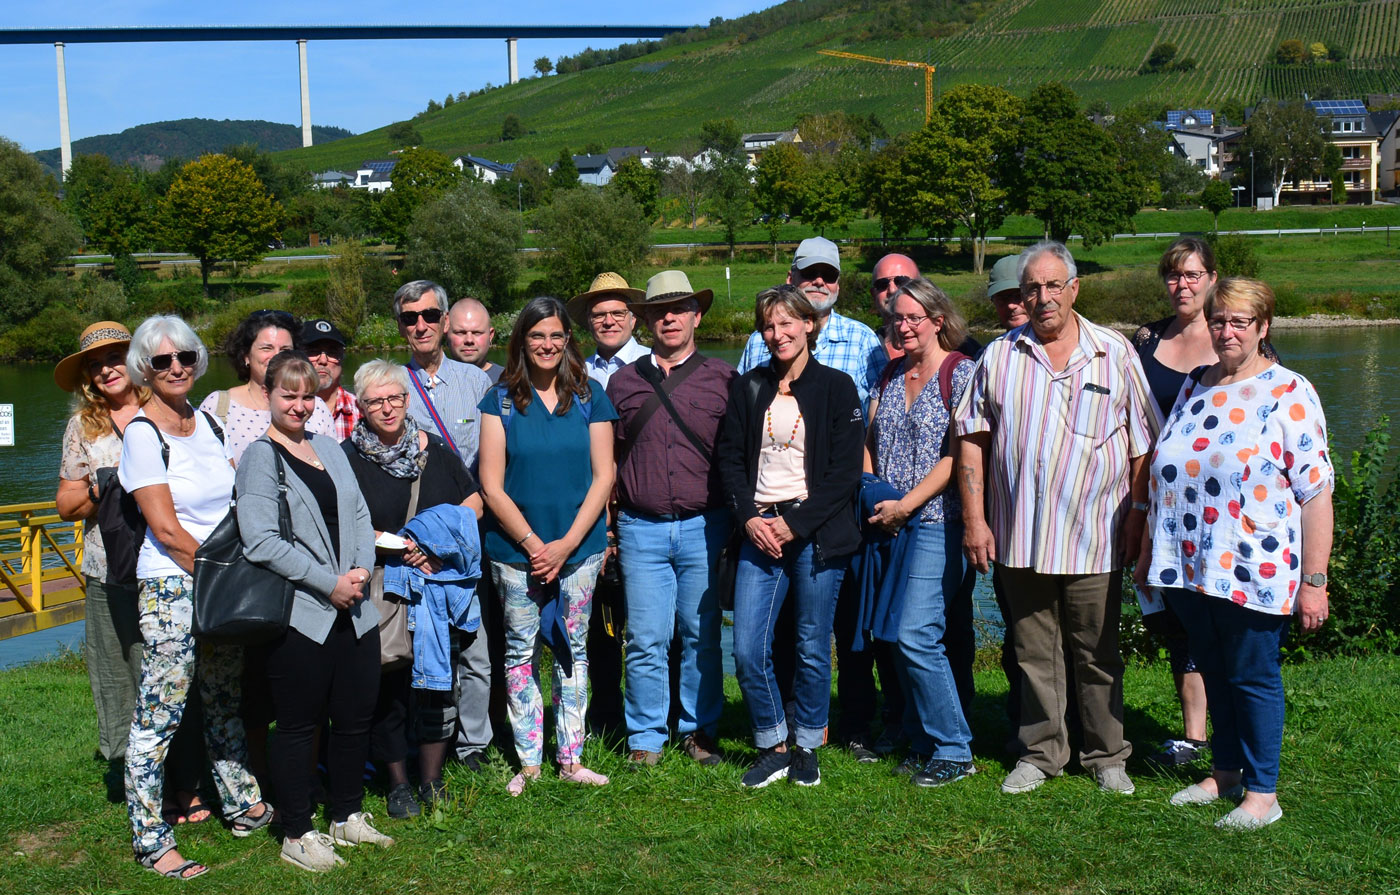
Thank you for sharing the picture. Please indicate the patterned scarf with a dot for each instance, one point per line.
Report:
(402, 460)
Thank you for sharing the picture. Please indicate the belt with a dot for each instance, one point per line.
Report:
(663, 517)
(778, 508)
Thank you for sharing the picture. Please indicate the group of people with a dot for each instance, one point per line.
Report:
(447, 518)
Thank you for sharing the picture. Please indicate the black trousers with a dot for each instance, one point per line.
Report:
(855, 673)
(311, 683)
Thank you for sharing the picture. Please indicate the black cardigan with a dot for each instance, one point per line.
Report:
(831, 409)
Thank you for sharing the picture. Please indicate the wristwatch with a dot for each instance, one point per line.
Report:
(1316, 579)
(1141, 506)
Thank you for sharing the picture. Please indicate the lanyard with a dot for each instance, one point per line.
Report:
(432, 409)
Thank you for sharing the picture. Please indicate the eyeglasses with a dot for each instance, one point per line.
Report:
(541, 338)
(161, 362)
(911, 320)
(431, 316)
(1191, 276)
(334, 352)
(394, 401)
(1052, 289)
(616, 316)
(883, 284)
(1238, 324)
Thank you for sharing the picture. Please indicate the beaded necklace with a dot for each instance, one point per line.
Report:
(772, 439)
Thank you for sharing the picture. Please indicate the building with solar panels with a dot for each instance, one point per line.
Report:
(375, 175)
(1350, 127)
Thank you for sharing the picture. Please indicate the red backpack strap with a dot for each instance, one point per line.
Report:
(886, 375)
(945, 377)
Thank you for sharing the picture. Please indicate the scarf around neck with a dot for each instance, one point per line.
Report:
(403, 460)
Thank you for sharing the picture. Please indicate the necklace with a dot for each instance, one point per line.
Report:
(292, 449)
(772, 439)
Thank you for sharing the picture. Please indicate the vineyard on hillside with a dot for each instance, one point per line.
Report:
(766, 81)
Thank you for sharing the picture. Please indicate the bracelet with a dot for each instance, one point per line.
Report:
(1141, 506)
(92, 495)
(528, 536)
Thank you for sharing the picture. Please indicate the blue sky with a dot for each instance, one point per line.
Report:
(358, 85)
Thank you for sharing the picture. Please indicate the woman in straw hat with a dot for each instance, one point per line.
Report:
(105, 401)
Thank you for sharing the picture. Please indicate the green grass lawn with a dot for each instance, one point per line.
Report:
(680, 828)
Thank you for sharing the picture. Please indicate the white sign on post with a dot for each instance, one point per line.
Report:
(7, 425)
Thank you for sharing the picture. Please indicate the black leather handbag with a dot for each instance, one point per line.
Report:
(237, 601)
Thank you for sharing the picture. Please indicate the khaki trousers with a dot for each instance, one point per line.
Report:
(1054, 616)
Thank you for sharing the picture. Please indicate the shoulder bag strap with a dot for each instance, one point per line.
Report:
(886, 375)
(164, 445)
(432, 409)
(662, 388)
(413, 493)
(284, 509)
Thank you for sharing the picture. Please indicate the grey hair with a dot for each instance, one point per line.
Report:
(414, 290)
(379, 372)
(935, 303)
(1054, 248)
(146, 342)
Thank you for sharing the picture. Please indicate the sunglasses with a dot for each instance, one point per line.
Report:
(162, 362)
(883, 284)
(430, 316)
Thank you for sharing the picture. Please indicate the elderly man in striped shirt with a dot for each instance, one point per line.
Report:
(1056, 428)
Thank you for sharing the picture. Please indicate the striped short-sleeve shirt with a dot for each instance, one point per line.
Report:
(1058, 475)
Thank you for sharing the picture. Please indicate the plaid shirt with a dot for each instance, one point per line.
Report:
(845, 344)
(346, 412)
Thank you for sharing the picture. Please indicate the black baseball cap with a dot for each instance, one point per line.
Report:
(313, 331)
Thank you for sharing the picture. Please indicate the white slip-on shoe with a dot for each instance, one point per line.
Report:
(314, 851)
(356, 830)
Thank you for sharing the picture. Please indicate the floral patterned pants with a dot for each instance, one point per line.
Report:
(167, 671)
(522, 598)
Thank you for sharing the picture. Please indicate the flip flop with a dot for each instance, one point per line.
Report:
(196, 807)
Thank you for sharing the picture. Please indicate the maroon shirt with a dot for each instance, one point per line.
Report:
(662, 473)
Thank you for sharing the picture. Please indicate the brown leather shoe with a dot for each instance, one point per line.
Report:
(643, 758)
(701, 748)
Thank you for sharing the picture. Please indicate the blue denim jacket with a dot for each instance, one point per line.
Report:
(881, 567)
(443, 600)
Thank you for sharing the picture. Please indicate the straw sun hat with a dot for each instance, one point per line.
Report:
(70, 372)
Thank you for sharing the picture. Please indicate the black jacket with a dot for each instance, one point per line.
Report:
(835, 426)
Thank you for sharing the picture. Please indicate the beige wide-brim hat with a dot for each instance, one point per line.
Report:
(70, 372)
(672, 286)
(605, 285)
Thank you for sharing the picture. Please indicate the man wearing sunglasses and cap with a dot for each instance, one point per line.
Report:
(325, 346)
(442, 398)
(845, 344)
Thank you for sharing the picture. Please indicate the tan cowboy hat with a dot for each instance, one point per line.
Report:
(70, 372)
(606, 284)
(672, 286)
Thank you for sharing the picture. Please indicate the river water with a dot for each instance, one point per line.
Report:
(1355, 371)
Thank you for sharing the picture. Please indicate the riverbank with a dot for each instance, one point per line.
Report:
(686, 829)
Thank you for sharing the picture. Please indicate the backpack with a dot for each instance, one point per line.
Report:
(945, 376)
(119, 518)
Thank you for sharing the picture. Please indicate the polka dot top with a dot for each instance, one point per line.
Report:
(1230, 473)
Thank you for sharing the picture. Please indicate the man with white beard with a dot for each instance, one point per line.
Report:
(845, 344)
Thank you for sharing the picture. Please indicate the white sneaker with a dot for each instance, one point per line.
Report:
(1023, 778)
(1115, 779)
(314, 851)
(356, 830)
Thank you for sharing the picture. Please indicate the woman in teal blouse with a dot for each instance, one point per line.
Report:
(546, 472)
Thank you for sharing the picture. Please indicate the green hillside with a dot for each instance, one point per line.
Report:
(767, 76)
(149, 145)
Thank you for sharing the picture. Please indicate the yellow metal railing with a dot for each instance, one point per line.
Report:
(40, 558)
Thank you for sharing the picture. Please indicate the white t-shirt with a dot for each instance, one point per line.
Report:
(200, 480)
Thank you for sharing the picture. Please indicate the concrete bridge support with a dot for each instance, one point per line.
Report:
(65, 141)
(305, 95)
(512, 61)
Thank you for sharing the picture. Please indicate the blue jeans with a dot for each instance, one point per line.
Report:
(939, 577)
(667, 572)
(760, 589)
(1236, 650)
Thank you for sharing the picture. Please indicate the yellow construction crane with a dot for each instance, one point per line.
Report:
(928, 68)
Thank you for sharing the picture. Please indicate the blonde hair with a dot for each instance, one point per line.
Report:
(291, 369)
(1242, 292)
(935, 303)
(93, 412)
(791, 299)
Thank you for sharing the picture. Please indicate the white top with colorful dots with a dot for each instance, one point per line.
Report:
(1230, 473)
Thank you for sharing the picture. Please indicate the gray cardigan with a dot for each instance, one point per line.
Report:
(309, 561)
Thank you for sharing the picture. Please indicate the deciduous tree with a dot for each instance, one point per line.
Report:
(1215, 198)
(543, 66)
(780, 188)
(511, 128)
(467, 242)
(35, 235)
(589, 231)
(565, 173)
(1071, 175)
(1287, 140)
(217, 209)
(640, 182)
(108, 204)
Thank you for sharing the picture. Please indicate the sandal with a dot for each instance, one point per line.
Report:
(517, 783)
(245, 825)
(149, 862)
